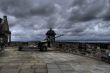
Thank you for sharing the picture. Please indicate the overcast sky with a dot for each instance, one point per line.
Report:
(76, 19)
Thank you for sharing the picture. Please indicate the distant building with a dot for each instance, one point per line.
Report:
(5, 33)
(50, 36)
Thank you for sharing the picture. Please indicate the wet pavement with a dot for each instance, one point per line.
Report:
(14, 61)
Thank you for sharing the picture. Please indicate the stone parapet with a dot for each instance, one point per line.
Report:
(92, 50)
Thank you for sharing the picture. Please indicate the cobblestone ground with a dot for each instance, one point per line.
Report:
(13, 61)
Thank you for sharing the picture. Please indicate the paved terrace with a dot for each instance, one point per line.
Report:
(13, 61)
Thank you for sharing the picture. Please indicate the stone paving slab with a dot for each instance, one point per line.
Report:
(65, 67)
(52, 66)
(39, 67)
(54, 71)
(26, 70)
(14, 61)
(61, 68)
(9, 70)
(40, 70)
(69, 71)
(10, 67)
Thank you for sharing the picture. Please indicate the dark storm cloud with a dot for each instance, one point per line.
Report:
(76, 19)
(45, 10)
(106, 15)
(15, 8)
(85, 10)
(25, 8)
(106, 12)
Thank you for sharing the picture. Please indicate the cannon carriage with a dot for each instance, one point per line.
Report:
(43, 45)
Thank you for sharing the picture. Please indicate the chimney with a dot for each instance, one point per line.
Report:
(5, 21)
(5, 18)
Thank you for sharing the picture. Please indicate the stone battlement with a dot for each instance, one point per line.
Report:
(94, 50)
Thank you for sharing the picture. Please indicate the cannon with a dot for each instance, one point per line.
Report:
(43, 45)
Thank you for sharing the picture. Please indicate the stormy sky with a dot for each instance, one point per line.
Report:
(76, 19)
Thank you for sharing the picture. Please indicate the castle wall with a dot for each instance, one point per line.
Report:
(94, 50)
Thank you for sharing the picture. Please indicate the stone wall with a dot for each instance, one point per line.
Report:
(93, 50)
(22, 43)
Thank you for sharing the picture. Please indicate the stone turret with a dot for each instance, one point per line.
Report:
(5, 24)
(5, 33)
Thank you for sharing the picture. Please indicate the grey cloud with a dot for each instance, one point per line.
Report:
(106, 15)
(15, 8)
(76, 19)
(44, 10)
(85, 10)
(78, 2)
(23, 9)
(106, 12)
